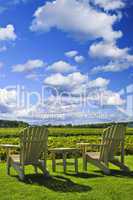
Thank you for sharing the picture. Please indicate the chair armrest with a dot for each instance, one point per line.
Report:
(84, 146)
(98, 145)
(88, 144)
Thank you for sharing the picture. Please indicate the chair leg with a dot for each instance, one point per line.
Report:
(64, 162)
(8, 161)
(42, 167)
(21, 176)
(53, 162)
(21, 173)
(76, 164)
(120, 165)
(104, 168)
(35, 168)
(20, 170)
(100, 165)
(84, 162)
(8, 165)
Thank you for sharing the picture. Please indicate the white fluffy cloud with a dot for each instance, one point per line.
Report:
(111, 98)
(109, 4)
(7, 33)
(61, 67)
(103, 96)
(99, 82)
(75, 55)
(75, 82)
(79, 59)
(76, 17)
(96, 96)
(121, 59)
(68, 82)
(7, 96)
(28, 66)
(113, 67)
(107, 50)
(7, 99)
(71, 54)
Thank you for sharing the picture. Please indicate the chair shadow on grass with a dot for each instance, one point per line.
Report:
(85, 175)
(117, 173)
(121, 174)
(56, 183)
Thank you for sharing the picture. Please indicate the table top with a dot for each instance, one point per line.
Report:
(83, 143)
(9, 146)
(63, 149)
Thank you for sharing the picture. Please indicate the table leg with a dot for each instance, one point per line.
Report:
(64, 161)
(84, 158)
(76, 163)
(53, 162)
(8, 161)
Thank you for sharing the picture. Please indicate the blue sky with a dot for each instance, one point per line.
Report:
(70, 46)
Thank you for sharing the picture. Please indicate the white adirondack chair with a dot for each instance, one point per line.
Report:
(112, 142)
(33, 145)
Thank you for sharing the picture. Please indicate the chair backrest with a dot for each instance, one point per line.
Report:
(112, 141)
(33, 142)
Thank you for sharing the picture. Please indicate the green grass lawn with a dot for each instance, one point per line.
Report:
(91, 186)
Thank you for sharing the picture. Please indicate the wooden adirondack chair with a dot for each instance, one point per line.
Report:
(112, 142)
(33, 144)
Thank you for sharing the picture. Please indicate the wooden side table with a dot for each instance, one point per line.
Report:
(83, 147)
(8, 148)
(64, 152)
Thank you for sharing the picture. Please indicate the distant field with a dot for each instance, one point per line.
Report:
(80, 131)
(14, 132)
(9, 132)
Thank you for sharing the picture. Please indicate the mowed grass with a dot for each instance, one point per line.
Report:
(84, 186)
(91, 186)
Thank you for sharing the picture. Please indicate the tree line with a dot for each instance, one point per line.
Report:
(12, 124)
(17, 124)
